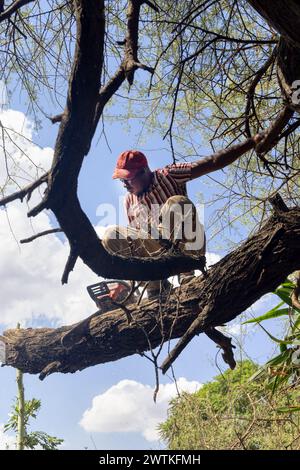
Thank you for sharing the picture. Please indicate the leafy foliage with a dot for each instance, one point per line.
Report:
(34, 439)
(232, 412)
(283, 369)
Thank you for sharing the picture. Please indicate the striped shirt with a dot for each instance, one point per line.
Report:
(168, 181)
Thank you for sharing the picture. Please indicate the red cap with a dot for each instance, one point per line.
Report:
(129, 163)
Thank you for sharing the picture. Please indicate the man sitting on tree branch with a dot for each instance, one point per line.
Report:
(160, 214)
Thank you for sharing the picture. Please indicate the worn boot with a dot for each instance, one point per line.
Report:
(158, 289)
(184, 278)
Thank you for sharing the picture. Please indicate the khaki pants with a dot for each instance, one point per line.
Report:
(179, 223)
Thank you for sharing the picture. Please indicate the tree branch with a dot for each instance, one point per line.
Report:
(250, 95)
(41, 234)
(274, 131)
(27, 191)
(255, 268)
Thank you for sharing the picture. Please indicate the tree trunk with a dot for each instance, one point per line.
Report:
(284, 17)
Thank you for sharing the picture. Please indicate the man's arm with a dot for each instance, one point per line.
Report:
(224, 157)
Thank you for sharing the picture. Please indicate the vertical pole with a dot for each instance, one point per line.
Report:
(21, 407)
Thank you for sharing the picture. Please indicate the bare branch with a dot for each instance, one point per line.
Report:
(56, 118)
(27, 191)
(225, 344)
(13, 8)
(41, 234)
(250, 95)
(278, 203)
(151, 5)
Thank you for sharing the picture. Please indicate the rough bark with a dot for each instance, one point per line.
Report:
(255, 268)
(284, 17)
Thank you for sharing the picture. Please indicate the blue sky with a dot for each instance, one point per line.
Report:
(117, 396)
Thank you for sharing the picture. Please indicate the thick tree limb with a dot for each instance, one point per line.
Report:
(284, 17)
(255, 268)
(194, 329)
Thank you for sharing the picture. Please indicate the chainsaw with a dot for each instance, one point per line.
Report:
(106, 295)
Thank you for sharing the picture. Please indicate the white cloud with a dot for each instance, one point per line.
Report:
(30, 274)
(128, 406)
(7, 441)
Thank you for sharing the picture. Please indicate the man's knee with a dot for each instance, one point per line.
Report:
(111, 233)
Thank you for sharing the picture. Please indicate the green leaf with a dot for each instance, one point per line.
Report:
(289, 284)
(276, 340)
(296, 325)
(282, 347)
(288, 409)
(284, 293)
(279, 359)
(274, 313)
